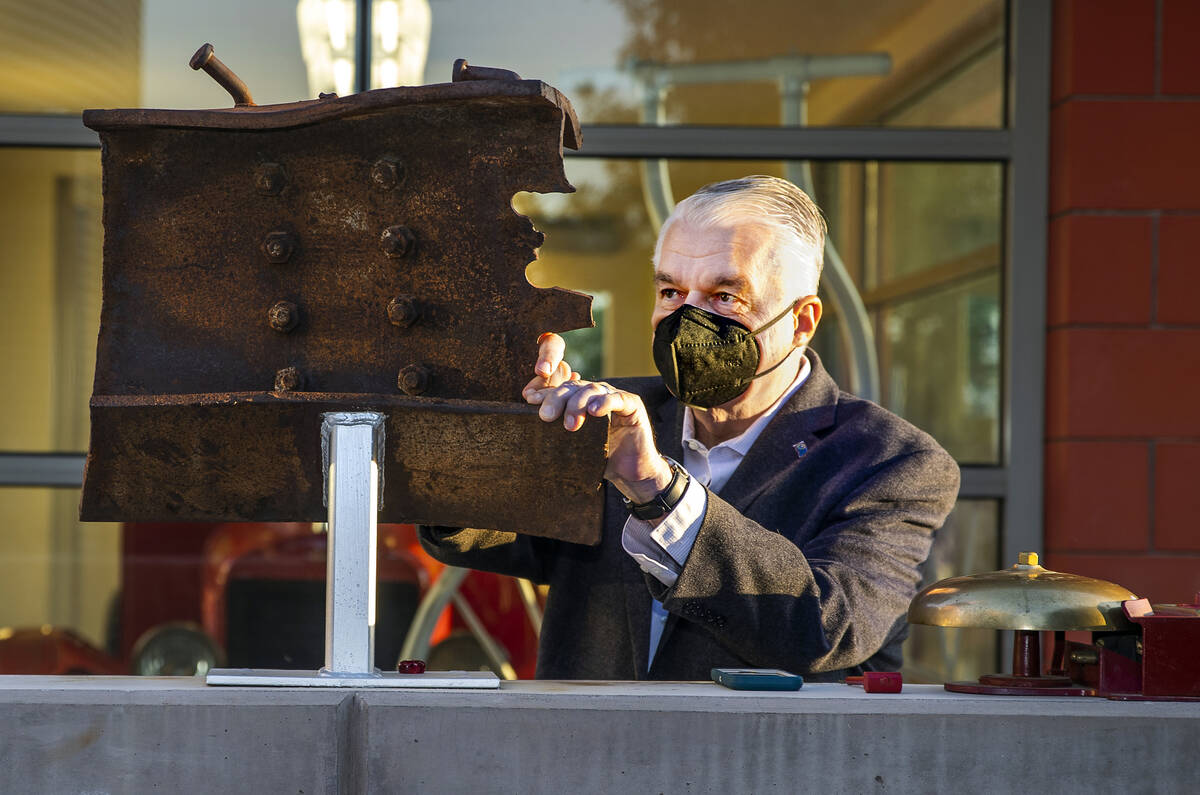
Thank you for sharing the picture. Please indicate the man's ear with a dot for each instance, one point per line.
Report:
(806, 314)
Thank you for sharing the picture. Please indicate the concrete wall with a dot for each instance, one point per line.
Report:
(142, 735)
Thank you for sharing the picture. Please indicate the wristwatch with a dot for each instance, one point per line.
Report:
(665, 501)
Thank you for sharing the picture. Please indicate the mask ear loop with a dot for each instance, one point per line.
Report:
(787, 310)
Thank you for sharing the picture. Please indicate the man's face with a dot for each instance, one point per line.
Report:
(725, 270)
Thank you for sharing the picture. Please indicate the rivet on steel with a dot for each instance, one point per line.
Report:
(279, 247)
(403, 311)
(397, 241)
(387, 173)
(204, 59)
(270, 179)
(287, 379)
(283, 316)
(413, 380)
(464, 71)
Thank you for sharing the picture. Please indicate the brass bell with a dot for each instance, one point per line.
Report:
(1029, 599)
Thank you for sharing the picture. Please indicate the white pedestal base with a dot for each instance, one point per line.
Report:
(267, 677)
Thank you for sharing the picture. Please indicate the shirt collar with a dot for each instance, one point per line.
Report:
(742, 443)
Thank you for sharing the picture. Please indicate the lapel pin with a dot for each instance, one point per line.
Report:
(801, 448)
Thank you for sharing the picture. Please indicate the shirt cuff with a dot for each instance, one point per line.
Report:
(661, 551)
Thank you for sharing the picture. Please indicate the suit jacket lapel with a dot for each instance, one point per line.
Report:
(809, 411)
(668, 429)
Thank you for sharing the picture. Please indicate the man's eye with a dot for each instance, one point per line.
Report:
(725, 298)
(668, 293)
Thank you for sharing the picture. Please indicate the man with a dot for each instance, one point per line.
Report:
(792, 535)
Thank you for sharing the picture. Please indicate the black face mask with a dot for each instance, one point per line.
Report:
(707, 359)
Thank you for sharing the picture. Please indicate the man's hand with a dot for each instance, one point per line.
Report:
(634, 464)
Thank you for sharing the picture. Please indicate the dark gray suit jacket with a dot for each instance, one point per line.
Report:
(804, 562)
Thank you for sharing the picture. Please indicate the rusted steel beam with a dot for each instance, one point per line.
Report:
(347, 253)
(256, 457)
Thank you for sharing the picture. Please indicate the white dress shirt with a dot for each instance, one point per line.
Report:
(661, 551)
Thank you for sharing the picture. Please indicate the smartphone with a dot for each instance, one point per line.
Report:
(756, 679)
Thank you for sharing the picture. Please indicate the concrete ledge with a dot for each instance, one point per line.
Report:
(101, 734)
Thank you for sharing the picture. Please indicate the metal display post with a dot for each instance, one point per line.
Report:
(352, 445)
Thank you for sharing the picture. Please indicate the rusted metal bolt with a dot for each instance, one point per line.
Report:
(403, 311)
(270, 179)
(210, 63)
(283, 316)
(387, 173)
(279, 247)
(397, 241)
(464, 71)
(287, 379)
(413, 380)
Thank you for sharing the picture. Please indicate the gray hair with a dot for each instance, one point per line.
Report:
(772, 202)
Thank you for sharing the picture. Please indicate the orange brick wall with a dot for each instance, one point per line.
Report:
(1122, 499)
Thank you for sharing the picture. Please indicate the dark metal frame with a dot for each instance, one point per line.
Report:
(1022, 146)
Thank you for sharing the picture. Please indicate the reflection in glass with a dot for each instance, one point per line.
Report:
(328, 36)
(327, 31)
(49, 296)
(399, 42)
(854, 62)
(63, 57)
(933, 287)
(966, 544)
(941, 364)
(55, 570)
(260, 41)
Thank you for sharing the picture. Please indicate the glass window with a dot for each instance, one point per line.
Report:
(919, 241)
(54, 569)
(854, 62)
(49, 296)
(932, 286)
(63, 57)
(261, 42)
(966, 544)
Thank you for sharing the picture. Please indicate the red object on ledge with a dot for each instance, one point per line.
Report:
(878, 681)
(410, 667)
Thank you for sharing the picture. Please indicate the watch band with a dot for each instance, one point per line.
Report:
(665, 501)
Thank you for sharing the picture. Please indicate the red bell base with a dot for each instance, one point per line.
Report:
(1017, 680)
(1141, 697)
(1021, 686)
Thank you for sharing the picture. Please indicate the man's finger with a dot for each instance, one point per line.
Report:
(554, 400)
(575, 407)
(561, 375)
(550, 353)
(623, 404)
